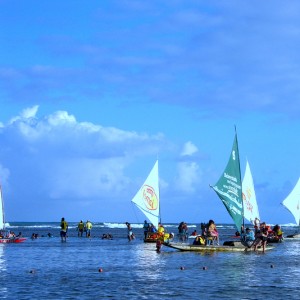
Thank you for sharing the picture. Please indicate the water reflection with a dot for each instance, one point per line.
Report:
(2, 259)
(148, 262)
(3, 289)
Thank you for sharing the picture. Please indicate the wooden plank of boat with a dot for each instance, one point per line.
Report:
(203, 248)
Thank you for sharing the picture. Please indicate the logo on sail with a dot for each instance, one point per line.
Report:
(149, 197)
(233, 154)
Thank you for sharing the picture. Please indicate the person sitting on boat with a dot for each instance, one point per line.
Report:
(194, 233)
(199, 240)
(249, 237)
(278, 234)
(212, 231)
(152, 228)
(11, 235)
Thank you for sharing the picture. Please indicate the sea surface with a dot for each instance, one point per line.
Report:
(93, 268)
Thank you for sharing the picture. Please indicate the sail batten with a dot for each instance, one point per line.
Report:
(147, 198)
(292, 202)
(229, 187)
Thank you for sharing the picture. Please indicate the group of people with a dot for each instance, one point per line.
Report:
(84, 227)
(81, 227)
(9, 234)
(209, 234)
(148, 228)
(261, 235)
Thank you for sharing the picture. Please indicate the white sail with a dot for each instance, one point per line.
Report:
(2, 222)
(249, 198)
(292, 202)
(147, 198)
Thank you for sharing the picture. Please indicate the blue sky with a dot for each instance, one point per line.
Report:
(91, 93)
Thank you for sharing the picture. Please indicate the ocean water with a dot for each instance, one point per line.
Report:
(47, 268)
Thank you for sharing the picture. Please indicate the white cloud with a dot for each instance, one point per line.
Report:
(30, 112)
(4, 175)
(56, 158)
(188, 176)
(189, 149)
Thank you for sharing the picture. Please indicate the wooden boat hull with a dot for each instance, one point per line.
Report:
(236, 247)
(275, 240)
(13, 240)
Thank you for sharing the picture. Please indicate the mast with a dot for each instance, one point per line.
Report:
(2, 220)
(237, 146)
(158, 180)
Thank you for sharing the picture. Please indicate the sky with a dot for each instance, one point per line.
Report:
(93, 92)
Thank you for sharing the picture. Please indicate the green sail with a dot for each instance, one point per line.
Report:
(229, 187)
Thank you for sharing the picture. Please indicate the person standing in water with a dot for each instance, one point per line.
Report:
(130, 233)
(80, 228)
(88, 228)
(63, 230)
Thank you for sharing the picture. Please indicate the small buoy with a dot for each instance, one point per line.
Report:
(272, 266)
(100, 270)
(204, 268)
(181, 268)
(32, 271)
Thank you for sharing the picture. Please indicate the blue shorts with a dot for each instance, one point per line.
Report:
(63, 233)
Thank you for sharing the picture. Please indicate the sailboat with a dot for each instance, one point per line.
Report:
(292, 203)
(4, 236)
(249, 198)
(147, 200)
(229, 190)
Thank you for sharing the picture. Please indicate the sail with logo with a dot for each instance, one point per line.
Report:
(250, 204)
(147, 198)
(229, 187)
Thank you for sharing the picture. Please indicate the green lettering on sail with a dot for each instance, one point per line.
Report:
(229, 187)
